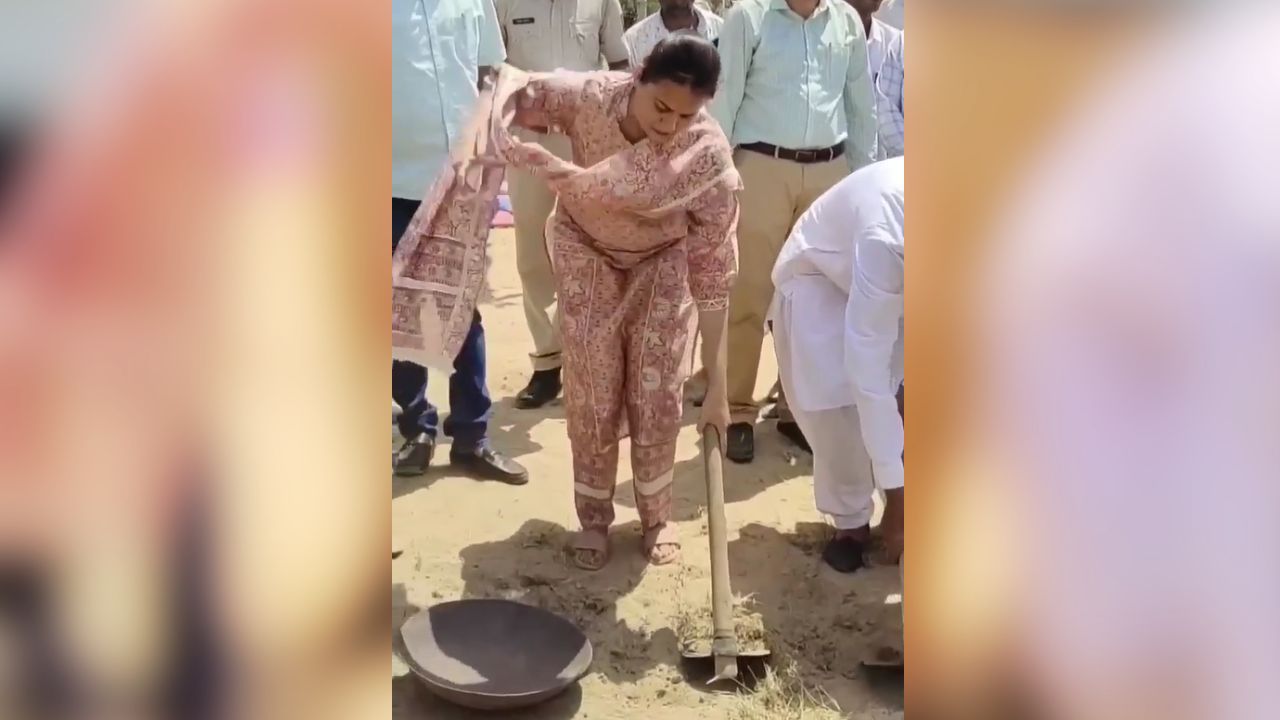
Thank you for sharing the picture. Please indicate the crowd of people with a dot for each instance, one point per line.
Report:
(722, 179)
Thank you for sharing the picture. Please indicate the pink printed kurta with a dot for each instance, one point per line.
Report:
(641, 234)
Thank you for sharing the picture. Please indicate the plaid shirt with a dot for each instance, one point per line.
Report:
(889, 106)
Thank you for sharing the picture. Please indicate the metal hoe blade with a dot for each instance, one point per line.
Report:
(726, 656)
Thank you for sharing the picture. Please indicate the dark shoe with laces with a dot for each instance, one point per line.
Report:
(487, 464)
(792, 432)
(543, 387)
(741, 445)
(414, 456)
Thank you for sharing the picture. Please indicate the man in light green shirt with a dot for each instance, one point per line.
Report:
(796, 100)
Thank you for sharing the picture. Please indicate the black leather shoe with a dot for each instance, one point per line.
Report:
(414, 456)
(741, 445)
(485, 463)
(792, 432)
(844, 554)
(543, 387)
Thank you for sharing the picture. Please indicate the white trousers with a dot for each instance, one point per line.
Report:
(843, 484)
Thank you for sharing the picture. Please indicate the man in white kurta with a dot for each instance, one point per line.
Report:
(837, 322)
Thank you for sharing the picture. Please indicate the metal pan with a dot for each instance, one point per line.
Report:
(494, 654)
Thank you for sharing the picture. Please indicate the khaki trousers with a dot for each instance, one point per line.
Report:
(531, 204)
(775, 194)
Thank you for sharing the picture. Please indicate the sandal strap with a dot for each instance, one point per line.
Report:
(594, 540)
(664, 534)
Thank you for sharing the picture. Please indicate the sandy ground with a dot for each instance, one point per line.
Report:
(463, 538)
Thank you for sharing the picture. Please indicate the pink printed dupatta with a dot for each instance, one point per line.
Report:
(439, 267)
(438, 270)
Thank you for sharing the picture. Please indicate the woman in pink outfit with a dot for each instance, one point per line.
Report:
(643, 243)
(643, 247)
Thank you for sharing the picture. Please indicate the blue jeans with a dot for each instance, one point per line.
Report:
(469, 403)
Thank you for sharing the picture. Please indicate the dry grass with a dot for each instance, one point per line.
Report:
(783, 696)
(780, 696)
(695, 631)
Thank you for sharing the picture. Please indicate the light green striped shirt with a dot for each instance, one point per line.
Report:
(796, 83)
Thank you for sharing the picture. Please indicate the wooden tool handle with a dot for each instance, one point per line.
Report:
(721, 588)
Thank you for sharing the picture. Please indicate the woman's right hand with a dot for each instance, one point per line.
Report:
(715, 414)
(529, 114)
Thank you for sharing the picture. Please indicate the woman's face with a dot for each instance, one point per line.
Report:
(664, 109)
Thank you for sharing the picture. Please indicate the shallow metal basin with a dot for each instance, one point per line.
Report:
(494, 654)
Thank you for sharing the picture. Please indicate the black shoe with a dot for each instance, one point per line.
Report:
(843, 554)
(543, 387)
(415, 456)
(484, 463)
(741, 443)
(792, 432)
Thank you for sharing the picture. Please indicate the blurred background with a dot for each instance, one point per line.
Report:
(193, 345)
(1093, 352)
(892, 11)
(192, 319)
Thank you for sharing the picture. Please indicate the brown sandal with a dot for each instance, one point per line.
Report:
(590, 550)
(659, 537)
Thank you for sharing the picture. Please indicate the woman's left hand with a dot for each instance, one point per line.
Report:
(715, 414)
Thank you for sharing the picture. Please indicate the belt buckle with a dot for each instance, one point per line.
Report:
(806, 156)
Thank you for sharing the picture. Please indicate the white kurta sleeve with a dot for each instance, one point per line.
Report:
(872, 319)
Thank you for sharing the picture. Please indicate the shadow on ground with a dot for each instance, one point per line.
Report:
(825, 622)
(777, 461)
(511, 430)
(532, 567)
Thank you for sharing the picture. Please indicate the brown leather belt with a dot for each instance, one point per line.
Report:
(804, 157)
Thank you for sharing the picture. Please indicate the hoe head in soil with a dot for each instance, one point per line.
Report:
(724, 663)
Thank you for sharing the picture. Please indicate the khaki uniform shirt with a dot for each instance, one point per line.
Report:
(546, 35)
